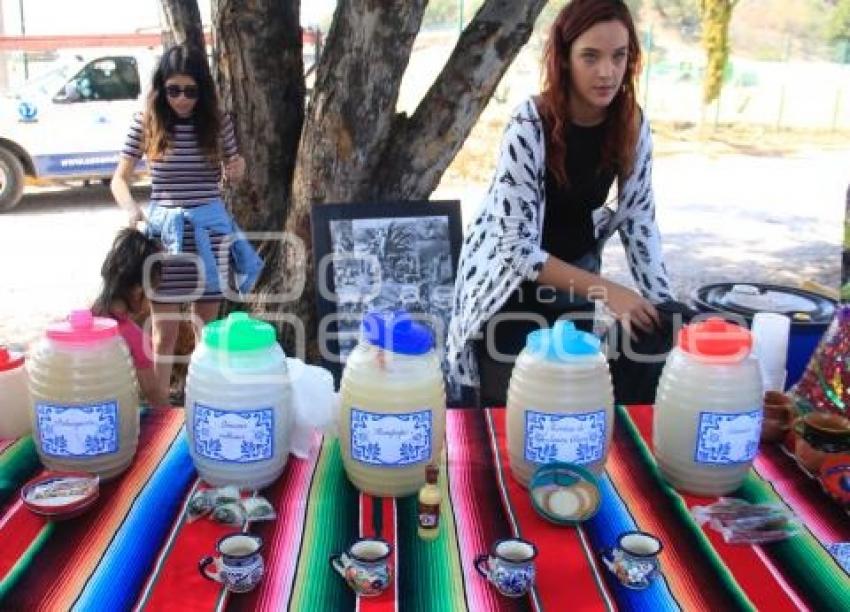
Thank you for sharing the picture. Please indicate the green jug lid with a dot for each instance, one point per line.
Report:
(562, 342)
(239, 332)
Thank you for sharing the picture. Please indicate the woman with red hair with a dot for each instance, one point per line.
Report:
(533, 252)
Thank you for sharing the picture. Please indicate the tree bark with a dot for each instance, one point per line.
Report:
(260, 72)
(183, 23)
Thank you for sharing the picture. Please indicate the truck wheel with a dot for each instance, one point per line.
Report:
(11, 180)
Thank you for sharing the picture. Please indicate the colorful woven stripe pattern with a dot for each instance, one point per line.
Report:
(136, 550)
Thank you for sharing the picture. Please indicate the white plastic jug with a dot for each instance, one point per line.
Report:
(238, 404)
(85, 397)
(392, 406)
(15, 405)
(560, 404)
(708, 409)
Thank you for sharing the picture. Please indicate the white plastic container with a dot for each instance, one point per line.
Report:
(85, 397)
(238, 404)
(560, 403)
(708, 409)
(15, 400)
(392, 406)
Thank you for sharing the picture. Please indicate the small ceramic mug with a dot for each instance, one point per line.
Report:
(634, 561)
(509, 566)
(239, 565)
(365, 566)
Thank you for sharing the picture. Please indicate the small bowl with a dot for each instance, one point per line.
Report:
(564, 493)
(61, 495)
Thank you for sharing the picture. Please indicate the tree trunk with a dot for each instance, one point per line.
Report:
(355, 147)
(260, 71)
(183, 23)
(716, 16)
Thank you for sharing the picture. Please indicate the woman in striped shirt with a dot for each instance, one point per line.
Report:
(189, 143)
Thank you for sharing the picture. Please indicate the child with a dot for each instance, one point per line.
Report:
(122, 297)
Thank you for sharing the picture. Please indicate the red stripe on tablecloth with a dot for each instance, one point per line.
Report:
(18, 528)
(755, 574)
(479, 516)
(386, 601)
(561, 556)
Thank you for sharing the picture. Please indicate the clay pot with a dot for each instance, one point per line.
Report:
(819, 434)
(779, 412)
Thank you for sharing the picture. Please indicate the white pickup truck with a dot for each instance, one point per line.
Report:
(70, 123)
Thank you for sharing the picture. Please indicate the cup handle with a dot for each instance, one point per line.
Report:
(339, 563)
(797, 426)
(478, 561)
(202, 568)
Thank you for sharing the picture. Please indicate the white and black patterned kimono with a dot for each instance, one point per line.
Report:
(502, 247)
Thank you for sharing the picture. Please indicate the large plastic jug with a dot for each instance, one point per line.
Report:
(392, 406)
(560, 402)
(85, 397)
(15, 400)
(238, 404)
(708, 410)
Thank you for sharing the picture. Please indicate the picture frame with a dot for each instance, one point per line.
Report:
(385, 256)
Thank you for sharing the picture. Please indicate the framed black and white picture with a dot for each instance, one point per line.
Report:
(384, 256)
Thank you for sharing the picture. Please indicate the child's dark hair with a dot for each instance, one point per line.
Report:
(123, 268)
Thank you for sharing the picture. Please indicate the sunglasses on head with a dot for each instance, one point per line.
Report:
(189, 91)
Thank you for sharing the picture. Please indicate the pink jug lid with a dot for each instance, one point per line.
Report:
(10, 360)
(82, 327)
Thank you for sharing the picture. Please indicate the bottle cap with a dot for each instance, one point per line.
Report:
(10, 361)
(396, 331)
(239, 332)
(82, 327)
(432, 473)
(716, 340)
(562, 342)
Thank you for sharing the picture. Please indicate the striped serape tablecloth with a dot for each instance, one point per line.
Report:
(135, 550)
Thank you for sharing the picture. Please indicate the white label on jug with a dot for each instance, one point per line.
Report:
(572, 438)
(390, 439)
(233, 436)
(724, 438)
(83, 430)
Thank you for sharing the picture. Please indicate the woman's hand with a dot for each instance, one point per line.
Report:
(630, 309)
(135, 216)
(234, 169)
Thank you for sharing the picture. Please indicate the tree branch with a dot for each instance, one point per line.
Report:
(366, 52)
(421, 148)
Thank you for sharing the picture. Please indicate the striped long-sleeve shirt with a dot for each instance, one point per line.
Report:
(183, 175)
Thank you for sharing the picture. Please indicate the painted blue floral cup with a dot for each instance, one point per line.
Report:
(634, 560)
(509, 566)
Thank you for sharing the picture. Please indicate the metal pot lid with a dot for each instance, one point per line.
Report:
(749, 298)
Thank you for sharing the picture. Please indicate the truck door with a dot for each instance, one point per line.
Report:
(90, 117)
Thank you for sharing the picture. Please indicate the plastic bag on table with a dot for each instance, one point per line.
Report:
(741, 522)
(315, 402)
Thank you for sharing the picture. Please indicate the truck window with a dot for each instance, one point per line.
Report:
(104, 79)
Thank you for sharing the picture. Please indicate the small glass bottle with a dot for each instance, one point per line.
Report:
(429, 505)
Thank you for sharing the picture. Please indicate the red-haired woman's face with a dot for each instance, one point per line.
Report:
(598, 61)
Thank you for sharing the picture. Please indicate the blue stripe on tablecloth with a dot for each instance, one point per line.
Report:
(613, 519)
(121, 573)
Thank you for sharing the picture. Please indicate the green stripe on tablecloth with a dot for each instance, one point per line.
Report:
(802, 559)
(17, 464)
(712, 559)
(331, 524)
(430, 578)
(22, 564)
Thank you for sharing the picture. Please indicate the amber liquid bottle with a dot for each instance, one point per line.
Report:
(429, 505)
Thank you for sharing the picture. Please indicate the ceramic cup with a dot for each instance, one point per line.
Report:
(365, 566)
(634, 560)
(819, 434)
(509, 566)
(239, 565)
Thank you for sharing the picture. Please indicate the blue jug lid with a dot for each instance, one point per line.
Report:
(561, 342)
(396, 331)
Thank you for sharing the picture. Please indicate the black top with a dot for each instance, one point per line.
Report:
(567, 235)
